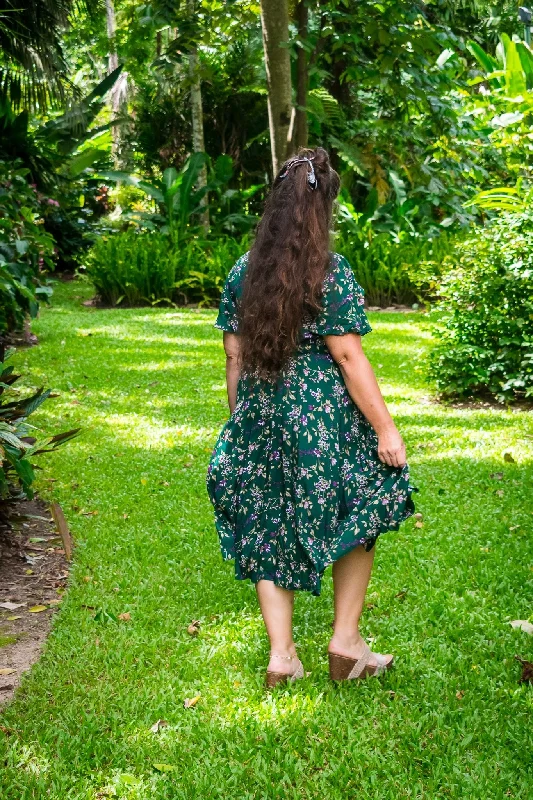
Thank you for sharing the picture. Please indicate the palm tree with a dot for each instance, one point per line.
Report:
(33, 72)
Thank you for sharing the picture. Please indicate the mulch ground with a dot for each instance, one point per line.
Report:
(33, 574)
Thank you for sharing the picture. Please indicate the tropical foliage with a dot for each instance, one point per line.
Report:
(137, 268)
(146, 133)
(486, 302)
(26, 249)
(18, 444)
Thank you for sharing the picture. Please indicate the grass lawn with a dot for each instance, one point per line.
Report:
(451, 721)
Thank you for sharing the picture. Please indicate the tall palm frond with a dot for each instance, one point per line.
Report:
(33, 72)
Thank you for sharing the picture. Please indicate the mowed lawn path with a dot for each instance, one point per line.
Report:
(451, 721)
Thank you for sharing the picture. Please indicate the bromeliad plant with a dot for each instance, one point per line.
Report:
(18, 445)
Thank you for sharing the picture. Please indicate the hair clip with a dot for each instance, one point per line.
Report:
(312, 180)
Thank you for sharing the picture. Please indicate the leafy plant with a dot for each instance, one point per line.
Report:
(18, 446)
(25, 249)
(403, 269)
(486, 307)
(138, 268)
(175, 193)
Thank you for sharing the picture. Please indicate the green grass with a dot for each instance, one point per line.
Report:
(451, 721)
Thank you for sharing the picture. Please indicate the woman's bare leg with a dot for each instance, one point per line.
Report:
(277, 605)
(351, 574)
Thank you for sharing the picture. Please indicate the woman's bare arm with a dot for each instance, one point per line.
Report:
(363, 388)
(233, 369)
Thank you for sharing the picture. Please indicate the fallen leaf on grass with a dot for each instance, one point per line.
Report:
(527, 670)
(401, 595)
(125, 616)
(500, 492)
(104, 616)
(11, 606)
(37, 609)
(164, 767)
(508, 458)
(460, 694)
(191, 701)
(12, 619)
(156, 727)
(7, 671)
(523, 624)
(496, 476)
(419, 524)
(194, 628)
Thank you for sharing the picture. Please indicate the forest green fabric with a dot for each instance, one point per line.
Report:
(294, 477)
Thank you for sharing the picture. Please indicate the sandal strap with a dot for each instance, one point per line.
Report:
(361, 663)
(298, 673)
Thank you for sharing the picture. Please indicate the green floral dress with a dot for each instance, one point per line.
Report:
(294, 477)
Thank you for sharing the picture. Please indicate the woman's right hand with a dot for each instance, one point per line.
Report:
(391, 448)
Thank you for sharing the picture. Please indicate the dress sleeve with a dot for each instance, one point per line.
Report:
(343, 302)
(227, 311)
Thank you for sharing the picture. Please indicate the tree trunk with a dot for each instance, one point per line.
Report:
(122, 156)
(275, 25)
(301, 133)
(197, 118)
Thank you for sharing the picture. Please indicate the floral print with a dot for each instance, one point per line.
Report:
(294, 477)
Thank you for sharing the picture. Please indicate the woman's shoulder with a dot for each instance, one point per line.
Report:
(236, 272)
(341, 274)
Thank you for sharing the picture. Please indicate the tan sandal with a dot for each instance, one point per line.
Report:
(343, 668)
(273, 678)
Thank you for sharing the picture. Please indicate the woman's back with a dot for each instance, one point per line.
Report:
(287, 473)
(342, 304)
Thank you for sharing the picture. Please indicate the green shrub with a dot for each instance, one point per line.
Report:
(486, 338)
(18, 446)
(400, 270)
(25, 248)
(138, 268)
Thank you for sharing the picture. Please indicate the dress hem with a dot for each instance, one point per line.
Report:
(368, 542)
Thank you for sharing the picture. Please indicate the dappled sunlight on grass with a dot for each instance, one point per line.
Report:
(132, 486)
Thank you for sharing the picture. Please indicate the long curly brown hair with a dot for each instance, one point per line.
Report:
(287, 264)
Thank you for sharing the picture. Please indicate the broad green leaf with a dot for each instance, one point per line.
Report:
(169, 177)
(526, 60)
(486, 61)
(83, 160)
(514, 75)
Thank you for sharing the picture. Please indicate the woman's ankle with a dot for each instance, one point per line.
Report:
(345, 640)
(284, 650)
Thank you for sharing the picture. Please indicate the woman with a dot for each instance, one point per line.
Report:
(309, 469)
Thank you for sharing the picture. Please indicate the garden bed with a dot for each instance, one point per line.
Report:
(33, 573)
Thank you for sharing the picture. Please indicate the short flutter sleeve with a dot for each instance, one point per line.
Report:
(343, 302)
(229, 300)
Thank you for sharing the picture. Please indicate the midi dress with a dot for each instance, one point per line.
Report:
(294, 477)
